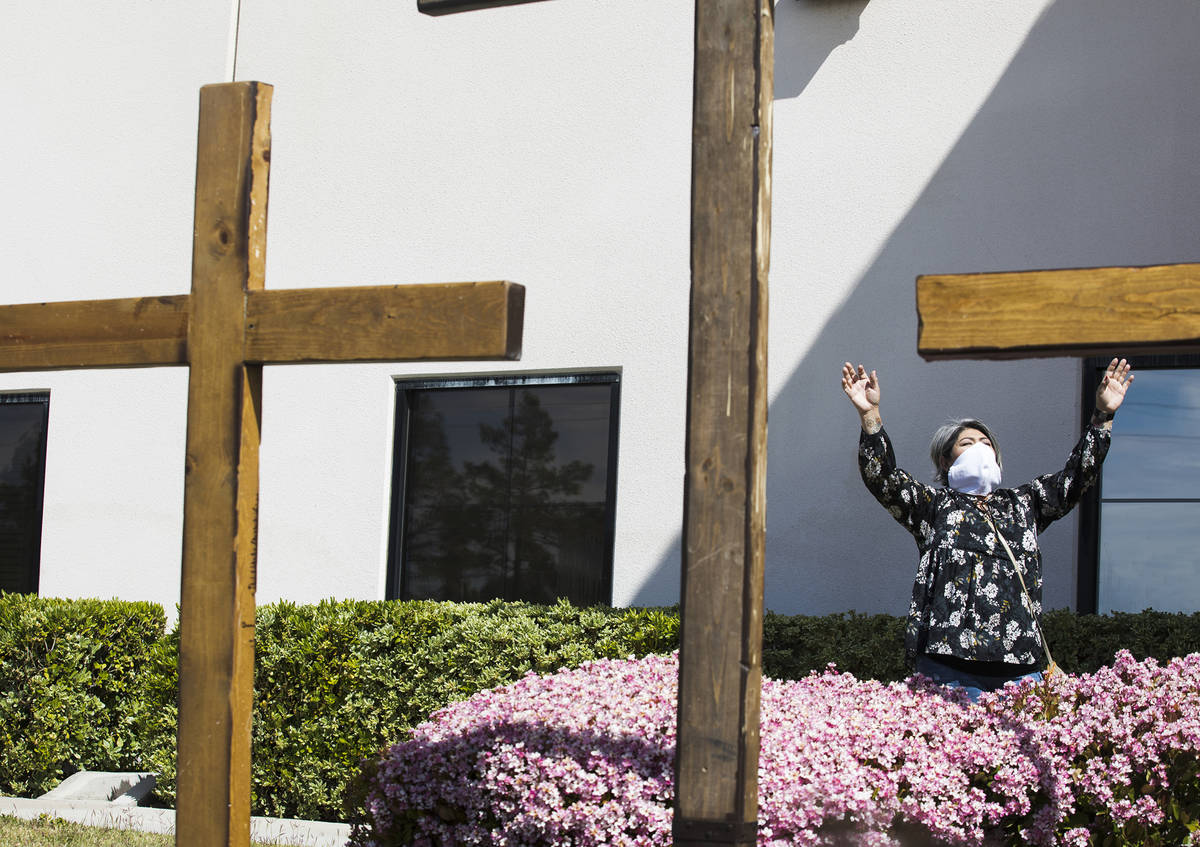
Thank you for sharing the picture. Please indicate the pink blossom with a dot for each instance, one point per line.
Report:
(585, 757)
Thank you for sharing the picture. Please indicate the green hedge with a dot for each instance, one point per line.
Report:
(338, 681)
(868, 646)
(1083, 643)
(872, 646)
(86, 684)
(73, 693)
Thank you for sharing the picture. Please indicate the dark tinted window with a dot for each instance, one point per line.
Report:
(505, 489)
(23, 419)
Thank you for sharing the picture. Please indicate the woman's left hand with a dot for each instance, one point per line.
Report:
(1111, 391)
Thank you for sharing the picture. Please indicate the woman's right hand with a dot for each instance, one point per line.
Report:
(862, 388)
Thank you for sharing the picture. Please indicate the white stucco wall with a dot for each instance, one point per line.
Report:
(97, 175)
(951, 137)
(549, 144)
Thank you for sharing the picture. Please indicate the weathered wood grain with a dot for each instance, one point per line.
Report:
(133, 332)
(725, 493)
(467, 320)
(216, 658)
(1077, 312)
(470, 320)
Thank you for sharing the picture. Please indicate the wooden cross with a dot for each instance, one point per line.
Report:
(225, 331)
(716, 769)
(1087, 312)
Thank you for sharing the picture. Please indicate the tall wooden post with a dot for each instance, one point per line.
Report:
(220, 511)
(725, 486)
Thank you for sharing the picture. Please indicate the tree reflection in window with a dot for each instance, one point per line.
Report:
(506, 492)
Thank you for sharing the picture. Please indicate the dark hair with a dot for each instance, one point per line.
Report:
(942, 445)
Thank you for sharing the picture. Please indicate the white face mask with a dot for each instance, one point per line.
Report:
(975, 471)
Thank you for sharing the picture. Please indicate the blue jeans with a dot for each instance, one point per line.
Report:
(973, 683)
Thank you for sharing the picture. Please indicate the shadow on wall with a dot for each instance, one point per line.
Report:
(806, 32)
(1076, 158)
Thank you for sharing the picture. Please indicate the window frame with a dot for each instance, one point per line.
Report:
(1087, 592)
(42, 398)
(395, 583)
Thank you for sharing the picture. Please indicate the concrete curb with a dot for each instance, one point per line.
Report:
(123, 814)
(102, 787)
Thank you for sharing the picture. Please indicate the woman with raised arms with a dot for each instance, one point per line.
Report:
(973, 620)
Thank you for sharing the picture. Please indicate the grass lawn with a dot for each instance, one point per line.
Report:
(55, 832)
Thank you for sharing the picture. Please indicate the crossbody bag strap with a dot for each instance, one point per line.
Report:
(1017, 568)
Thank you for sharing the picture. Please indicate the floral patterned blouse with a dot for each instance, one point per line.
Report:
(966, 601)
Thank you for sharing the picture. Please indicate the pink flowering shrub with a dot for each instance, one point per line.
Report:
(585, 757)
(1118, 753)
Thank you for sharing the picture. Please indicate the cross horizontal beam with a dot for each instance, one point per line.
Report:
(134, 332)
(1077, 312)
(468, 320)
